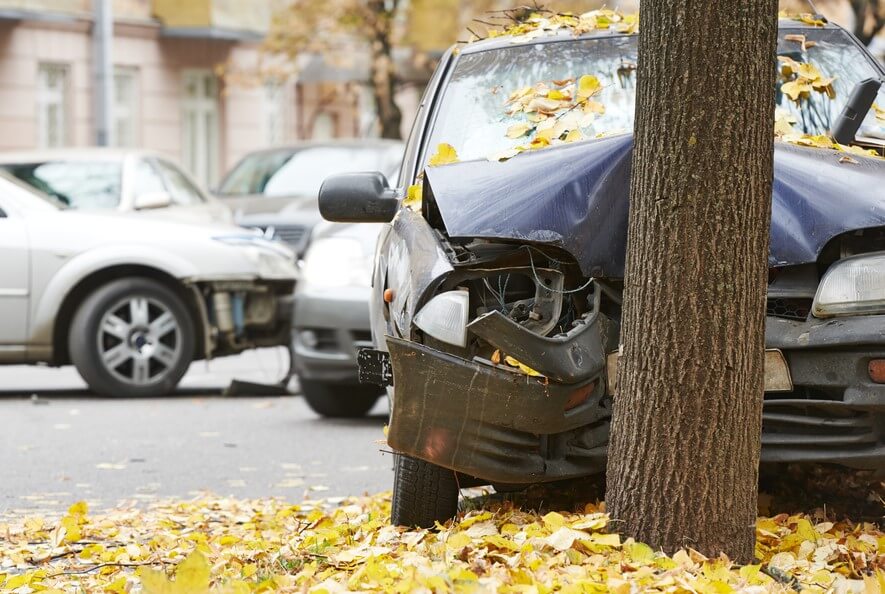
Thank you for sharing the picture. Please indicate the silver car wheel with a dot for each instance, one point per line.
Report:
(139, 340)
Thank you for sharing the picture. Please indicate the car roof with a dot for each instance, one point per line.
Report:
(90, 153)
(503, 41)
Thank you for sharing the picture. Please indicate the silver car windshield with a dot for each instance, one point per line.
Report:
(301, 172)
(76, 184)
(472, 117)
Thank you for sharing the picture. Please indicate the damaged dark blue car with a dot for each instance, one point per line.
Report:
(496, 303)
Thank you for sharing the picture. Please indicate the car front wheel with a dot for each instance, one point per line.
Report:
(423, 493)
(339, 400)
(132, 337)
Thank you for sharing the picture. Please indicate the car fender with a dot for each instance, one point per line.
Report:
(49, 300)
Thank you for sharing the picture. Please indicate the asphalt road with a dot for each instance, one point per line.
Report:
(61, 444)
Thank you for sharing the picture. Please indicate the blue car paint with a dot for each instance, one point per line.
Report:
(576, 197)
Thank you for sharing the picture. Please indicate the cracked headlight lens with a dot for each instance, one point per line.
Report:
(445, 317)
(852, 286)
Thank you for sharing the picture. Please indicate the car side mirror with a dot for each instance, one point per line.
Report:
(358, 198)
(149, 200)
(862, 98)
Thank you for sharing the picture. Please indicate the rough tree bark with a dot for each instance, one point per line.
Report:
(382, 70)
(683, 459)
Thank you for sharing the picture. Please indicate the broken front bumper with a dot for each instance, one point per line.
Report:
(504, 427)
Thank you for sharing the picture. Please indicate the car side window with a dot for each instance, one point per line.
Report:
(146, 179)
(183, 192)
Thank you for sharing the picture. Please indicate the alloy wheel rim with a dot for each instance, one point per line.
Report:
(139, 340)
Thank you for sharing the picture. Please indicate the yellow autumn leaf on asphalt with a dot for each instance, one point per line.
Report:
(191, 577)
(349, 545)
(445, 154)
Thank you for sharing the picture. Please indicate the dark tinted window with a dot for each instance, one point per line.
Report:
(301, 172)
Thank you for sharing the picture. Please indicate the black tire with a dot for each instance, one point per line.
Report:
(423, 493)
(89, 346)
(341, 401)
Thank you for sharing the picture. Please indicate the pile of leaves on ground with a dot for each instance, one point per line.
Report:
(230, 545)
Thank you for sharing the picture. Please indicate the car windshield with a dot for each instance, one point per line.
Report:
(301, 172)
(472, 115)
(77, 184)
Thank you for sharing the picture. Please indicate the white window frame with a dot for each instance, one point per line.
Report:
(48, 97)
(128, 109)
(200, 125)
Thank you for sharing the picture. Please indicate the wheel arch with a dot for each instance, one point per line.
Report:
(96, 279)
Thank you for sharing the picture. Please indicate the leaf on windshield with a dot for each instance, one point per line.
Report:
(445, 155)
(802, 78)
(554, 112)
(804, 17)
(588, 85)
(801, 40)
(880, 113)
(536, 24)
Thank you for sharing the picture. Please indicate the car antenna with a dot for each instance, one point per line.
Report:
(817, 13)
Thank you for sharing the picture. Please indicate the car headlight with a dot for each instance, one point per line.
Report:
(852, 286)
(271, 259)
(337, 262)
(445, 317)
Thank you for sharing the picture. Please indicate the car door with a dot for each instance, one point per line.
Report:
(14, 282)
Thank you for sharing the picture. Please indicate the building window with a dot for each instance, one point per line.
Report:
(276, 113)
(52, 105)
(324, 126)
(200, 114)
(126, 122)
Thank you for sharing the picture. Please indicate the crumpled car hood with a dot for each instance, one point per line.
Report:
(576, 197)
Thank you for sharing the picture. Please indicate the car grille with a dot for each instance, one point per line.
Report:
(293, 235)
(791, 309)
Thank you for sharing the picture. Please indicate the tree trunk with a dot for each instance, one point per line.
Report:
(383, 70)
(684, 452)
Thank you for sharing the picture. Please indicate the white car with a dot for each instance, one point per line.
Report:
(122, 180)
(129, 300)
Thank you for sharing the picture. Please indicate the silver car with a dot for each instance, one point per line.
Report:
(276, 189)
(332, 319)
(129, 300)
(121, 180)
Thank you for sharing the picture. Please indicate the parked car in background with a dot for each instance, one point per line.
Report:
(130, 300)
(332, 319)
(276, 189)
(496, 300)
(116, 179)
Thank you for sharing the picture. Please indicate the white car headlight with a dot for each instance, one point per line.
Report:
(445, 317)
(337, 262)
(852, 286)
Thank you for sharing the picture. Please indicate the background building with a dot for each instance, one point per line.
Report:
(167, 93)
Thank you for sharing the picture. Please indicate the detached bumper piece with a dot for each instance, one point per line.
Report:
(489, 422)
